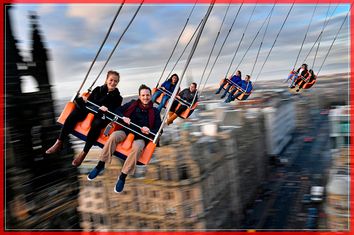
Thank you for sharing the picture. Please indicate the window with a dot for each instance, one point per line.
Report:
(142, 224)
(186, 195)
(154, 194)
(346, 141)
(333, 142)
(168, 174)
(137, 206)
(29, 84)
(116, 219)
(168, 196)
(183, 172)
(89, 204)
(98, 195)
(102, 220)
(128, 221)
(157, 225)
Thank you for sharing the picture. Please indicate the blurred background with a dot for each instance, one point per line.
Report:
(276, 161)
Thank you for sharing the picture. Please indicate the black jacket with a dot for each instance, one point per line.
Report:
(102, 97)
(139, 117)
(188, 96)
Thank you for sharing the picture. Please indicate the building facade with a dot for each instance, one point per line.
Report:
(279, 119)
(203, 177)
(338, 196)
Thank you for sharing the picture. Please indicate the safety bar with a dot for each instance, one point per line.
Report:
(115, 119)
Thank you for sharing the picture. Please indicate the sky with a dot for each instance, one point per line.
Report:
(73, 34)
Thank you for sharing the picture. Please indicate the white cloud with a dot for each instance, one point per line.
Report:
(94, 16)
(74, 32)
(187, 34)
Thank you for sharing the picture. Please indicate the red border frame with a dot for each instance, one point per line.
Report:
(351, 151)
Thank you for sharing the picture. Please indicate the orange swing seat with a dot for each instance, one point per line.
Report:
(123, 149)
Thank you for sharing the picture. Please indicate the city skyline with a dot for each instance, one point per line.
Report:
(74, 36)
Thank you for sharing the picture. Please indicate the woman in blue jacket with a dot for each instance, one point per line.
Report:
(168, 86)
(235, 79)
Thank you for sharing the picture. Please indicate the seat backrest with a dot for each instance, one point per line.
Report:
(69, 107)
(188, 111)
(147, 153)
(127, 143)
(243, 96)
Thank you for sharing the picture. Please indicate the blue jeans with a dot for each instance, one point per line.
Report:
(164, 100)
(226, 90)
(156, 95)
(294, 78)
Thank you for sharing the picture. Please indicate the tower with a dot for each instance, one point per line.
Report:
(41, 191)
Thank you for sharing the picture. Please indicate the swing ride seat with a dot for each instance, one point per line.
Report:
(123, 149)
(242, 96)
(185, 113)
(296, 89)
(310, 84)
(188, 111)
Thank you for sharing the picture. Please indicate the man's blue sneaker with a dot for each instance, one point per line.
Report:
(94, 173)
(119, 185)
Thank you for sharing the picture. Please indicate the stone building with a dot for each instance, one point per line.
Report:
(337, 189)
(203, 177)
(188, 185)
(279, 125)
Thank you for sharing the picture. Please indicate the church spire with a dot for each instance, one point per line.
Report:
(13, 57)
(39, 52)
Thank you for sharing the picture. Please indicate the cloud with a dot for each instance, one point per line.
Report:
(73, 34)
(93, 16)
